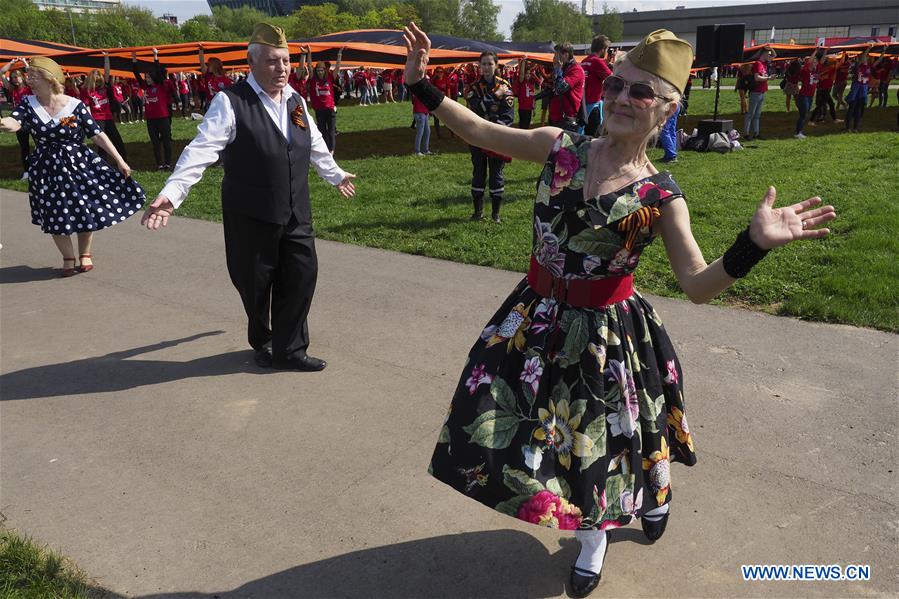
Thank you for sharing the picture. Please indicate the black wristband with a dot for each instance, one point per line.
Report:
(428, 93)
(742, 256)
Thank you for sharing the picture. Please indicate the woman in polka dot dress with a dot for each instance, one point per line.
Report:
(72, 189)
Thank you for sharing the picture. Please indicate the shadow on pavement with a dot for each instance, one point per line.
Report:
(500, 563)
(26, 274)
(116, 372)
(494, 564)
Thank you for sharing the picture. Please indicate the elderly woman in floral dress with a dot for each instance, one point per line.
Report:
(570, 407)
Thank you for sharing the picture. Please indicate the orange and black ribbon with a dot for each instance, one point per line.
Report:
(68, 121)
(633, 222)
(296, 117)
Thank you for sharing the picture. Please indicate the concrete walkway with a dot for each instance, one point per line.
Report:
(139, 439)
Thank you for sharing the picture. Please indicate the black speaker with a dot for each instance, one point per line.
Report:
(706, 45)
(719, 44)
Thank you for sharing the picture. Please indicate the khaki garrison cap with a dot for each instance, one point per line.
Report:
(263, 33)
(48, 65)
(662, 53)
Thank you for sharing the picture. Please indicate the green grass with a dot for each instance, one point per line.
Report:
(30, 571)
(421, 205)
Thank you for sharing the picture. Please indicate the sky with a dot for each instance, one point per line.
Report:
(185, 9)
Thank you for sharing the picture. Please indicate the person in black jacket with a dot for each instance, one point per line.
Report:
(491, 98)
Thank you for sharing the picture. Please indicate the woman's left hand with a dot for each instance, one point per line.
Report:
(124, 169)
(773, 227)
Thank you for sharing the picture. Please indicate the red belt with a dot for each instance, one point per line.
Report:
(580, 293)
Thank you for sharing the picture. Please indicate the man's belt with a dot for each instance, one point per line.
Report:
(580, 293)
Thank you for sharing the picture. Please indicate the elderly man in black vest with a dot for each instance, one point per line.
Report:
(262, 130)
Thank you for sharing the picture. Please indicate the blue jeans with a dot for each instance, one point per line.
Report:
(803, 103)
(668, 136)
(422, 133)
(751, 122)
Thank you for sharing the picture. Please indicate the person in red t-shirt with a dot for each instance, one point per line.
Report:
(839, 85)
(808, 78)
(860, 76)
(596, 69)
(323, 91)
(213, 75)
(182, 86)
(452, 78)
(753, 117)
(442, 83)
(568, 89)
(97, 95)
(159, 91)
(525, 87)
(421, 118)
(387, 81)
(827, 70)
(17, 90)
(884, 69)
(299, 77)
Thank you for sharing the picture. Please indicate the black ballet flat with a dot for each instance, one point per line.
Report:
(584, 581)
(654, 529)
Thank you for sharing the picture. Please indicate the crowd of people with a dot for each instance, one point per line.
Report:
(569, 94)
(831, 82)
(570, 409)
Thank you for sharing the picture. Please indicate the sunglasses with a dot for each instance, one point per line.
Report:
(641, 94)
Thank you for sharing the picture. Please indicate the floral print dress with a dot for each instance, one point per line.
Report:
(570, 417)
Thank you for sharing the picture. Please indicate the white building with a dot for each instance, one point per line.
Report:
(77, 5)
(799, 22)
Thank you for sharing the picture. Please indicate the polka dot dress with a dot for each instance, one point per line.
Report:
(72, 189)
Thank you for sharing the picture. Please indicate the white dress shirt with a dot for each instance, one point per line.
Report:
(218, 129)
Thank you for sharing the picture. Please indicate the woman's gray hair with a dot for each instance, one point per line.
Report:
(662, 86)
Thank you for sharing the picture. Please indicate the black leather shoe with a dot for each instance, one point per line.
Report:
(496, 219)
(584, 581)
(654, 529)
(301, 363)
(476, 216)
(263, 357)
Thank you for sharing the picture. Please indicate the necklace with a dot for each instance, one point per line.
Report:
(597, 182)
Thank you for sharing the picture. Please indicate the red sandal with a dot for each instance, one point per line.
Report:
(68, 272)
(86, 267)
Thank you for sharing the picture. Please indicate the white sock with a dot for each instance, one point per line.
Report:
(593, 549)
(656, 514)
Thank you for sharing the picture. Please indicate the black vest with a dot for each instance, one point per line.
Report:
(266, 175)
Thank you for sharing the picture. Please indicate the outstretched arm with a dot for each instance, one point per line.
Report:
(770, 227)
(525, 144)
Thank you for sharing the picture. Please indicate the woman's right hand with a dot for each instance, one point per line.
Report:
(417, 48)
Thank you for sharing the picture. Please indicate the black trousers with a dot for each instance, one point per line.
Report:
(274, 268)
(185, 104)
(112, 133)
(160, 131)
(481, 164)
(823, 101)
(24, 147)
(524, 118)
(137, 107)
(326, 119)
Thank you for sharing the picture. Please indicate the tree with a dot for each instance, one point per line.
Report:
(202, 28)
(609, 23)
(438, 16)
(477, 20)
(551, 20)
(238, 23)
(312, 21)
